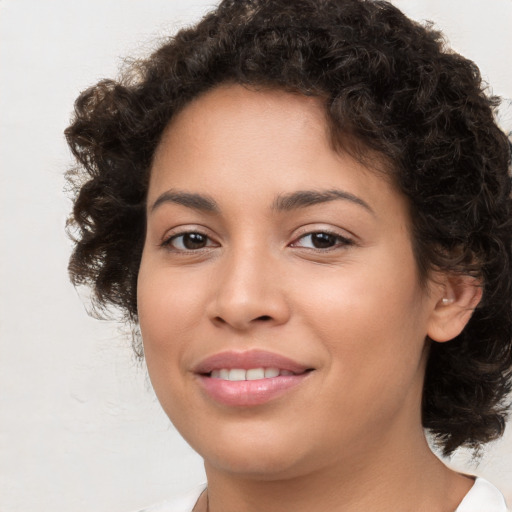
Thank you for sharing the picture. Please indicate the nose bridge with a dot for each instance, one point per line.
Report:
(249, 286)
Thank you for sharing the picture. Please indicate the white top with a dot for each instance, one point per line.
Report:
(482, 497)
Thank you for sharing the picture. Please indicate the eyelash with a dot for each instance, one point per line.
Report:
(341, 241)
(168, 242)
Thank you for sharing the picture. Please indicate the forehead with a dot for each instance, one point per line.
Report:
(246, 115)
(247, 143)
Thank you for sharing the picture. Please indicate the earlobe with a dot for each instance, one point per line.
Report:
(456, 299)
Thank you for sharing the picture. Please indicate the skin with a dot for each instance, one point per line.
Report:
(349, 437)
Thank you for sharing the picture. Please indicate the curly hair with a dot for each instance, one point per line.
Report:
(387, 82)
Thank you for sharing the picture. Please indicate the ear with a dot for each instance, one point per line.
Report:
(455, 298)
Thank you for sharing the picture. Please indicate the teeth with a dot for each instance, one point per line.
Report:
(271, 372)
(238, 374)
(255, 373)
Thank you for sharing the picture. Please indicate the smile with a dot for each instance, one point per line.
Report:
(248, 379)
(238, 374)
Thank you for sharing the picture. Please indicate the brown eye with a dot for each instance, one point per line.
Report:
(322, 240)
(188, 241)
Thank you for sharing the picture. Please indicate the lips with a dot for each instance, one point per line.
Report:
(238, 374)
(243, 379)
(248, 360)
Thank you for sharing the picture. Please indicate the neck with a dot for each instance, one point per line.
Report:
(409, 477)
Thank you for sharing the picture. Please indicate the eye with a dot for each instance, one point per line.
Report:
(321, 240)
(189, 241)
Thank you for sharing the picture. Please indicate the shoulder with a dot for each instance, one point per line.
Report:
(183, 503)
(483, 496)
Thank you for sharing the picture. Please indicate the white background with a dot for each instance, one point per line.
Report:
(80, 429)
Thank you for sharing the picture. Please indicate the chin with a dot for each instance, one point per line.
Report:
(251, 453)
(256, 466)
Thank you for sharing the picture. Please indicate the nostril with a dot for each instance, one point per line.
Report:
(265, 318)
(242, 324)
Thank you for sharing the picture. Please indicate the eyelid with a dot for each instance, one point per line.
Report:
(176, 232)
(308, 231)
(172, 234)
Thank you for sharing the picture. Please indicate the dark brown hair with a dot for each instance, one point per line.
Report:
(387, 82)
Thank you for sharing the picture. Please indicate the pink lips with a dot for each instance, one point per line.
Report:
(249, 392)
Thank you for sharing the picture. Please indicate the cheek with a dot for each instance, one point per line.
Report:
(370, 318)
(168, 303)
(168, 308)
(165, 319)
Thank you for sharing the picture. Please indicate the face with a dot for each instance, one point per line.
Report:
(279, 301)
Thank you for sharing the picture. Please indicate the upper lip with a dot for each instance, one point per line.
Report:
(248, 359)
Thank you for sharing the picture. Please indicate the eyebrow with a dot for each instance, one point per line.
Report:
(304, 198)
(283, 202)
(194, 201)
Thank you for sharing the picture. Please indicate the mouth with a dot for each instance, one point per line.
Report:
(231, 365)
(246, 379)
(239, 374)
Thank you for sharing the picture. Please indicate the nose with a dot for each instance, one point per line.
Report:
(249, 292)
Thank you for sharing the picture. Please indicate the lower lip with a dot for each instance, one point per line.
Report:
(246, 393)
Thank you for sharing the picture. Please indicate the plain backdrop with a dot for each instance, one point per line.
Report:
(80, 428)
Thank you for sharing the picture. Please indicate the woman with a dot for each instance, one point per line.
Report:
(305, 207)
